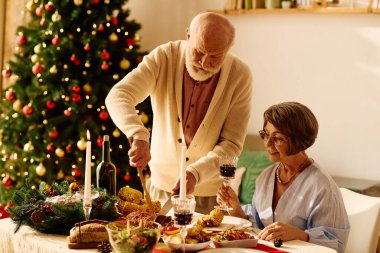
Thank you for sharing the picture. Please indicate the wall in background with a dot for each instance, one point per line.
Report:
(329, 62)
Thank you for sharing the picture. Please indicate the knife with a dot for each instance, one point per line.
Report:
(166, 207)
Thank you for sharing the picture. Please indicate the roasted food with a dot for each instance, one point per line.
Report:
(129, 194)
(130, 200)
(137, 216)
(216, 217)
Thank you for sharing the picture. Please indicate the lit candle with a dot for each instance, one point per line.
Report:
(87, 179)
(182, 186)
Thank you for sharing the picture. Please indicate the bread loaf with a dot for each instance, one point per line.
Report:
(89, 232)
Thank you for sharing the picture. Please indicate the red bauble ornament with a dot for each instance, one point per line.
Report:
(127, 177)
(55, 41)
(101, 28)
(27, 110)
(6, 73)
(138, 59)
(43, 22)
(103, 115)
(21, 40)
(50, 105)
(50, 148)
(99, 142)
(39, 11)
(10, 95)
(54, 134)
(37, 68)
(76, 89)
(49, 6)
(105, 55)
(77, 62)
(95, 1)
(76, 98)
(131, 42)
(105, 66)
(118, 170)
(7, 181)
(114, 21)
(67, 113)
(69, 148)
(87, 47)
(75, 172)
(17, 145)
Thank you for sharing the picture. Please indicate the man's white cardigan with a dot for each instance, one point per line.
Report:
(222, 131)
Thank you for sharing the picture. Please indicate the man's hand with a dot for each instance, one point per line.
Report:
(139, 154)
(190, 184)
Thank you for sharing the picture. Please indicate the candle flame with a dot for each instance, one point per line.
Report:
(88, 135)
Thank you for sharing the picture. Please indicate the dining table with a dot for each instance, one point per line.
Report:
(27, 240)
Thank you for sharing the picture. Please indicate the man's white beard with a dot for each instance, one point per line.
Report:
(197, 72)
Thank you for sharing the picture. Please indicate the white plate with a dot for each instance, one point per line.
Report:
(175, 243)
(245, 243)
(230, 250)
(230, 222)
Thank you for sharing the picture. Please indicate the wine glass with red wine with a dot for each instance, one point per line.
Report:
(227, 166)
(183, 214)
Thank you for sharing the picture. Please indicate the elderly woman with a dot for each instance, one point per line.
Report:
(294, 199)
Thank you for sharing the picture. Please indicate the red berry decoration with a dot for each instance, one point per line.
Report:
(17, 145)
(27, 110)
(37, 68)
(21, 40)
(55, 41)
(67, 113)
(76, 89)
(10, 95)
(127, 177)
(6, 73)
(87, 47)
(49, 6)
(118, 170)
(99, 142)
(76, 98)
(50, 105)
(43, 22)
(114, 21)
(103, 115)
(105, 66)
(69, 148)
(105, 55)
(54, 134)
(39, 11)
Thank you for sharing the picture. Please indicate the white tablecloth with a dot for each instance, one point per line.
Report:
(26, 240)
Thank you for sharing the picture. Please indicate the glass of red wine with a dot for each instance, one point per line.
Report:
(183, 214)
(227, 166)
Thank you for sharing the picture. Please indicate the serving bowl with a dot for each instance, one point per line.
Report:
(126, 238)
(174, 242)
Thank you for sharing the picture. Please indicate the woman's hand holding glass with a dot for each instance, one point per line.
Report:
(227, 195)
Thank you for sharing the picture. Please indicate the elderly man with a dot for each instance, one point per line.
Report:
(201, 98)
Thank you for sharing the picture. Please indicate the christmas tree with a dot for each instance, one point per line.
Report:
(68, 56)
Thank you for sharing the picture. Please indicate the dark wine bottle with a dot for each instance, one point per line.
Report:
(106, 170)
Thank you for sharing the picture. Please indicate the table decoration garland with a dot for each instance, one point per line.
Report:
(56, 208)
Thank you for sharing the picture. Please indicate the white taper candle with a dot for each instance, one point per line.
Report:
(87, 179)
(182, 187)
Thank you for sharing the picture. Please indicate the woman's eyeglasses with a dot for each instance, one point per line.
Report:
(277, 141)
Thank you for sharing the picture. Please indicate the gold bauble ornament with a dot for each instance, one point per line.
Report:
(37, 48)
(34, 58)
(60, 174)
(47, 187)
(106, 1)
(144, 118)
(87, 88)
(87, 64)
(29, 5)
(125, 64)
(74, 186)
(116, 133)
(56, 17)
(28, 146)
(53, 70)
(78, 2)
(17, 105)
(81, 144)
(59, 152)
(40, 170)
(113, 37)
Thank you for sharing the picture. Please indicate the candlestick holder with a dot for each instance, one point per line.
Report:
(87, 206)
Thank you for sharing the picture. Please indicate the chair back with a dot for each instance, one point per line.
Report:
(364, 216)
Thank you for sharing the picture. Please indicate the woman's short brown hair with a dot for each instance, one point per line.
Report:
(295, 121)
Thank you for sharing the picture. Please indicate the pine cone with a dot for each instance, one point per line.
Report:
(104, 247)
(37, 217)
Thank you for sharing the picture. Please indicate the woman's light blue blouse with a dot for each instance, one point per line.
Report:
(313, 202)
